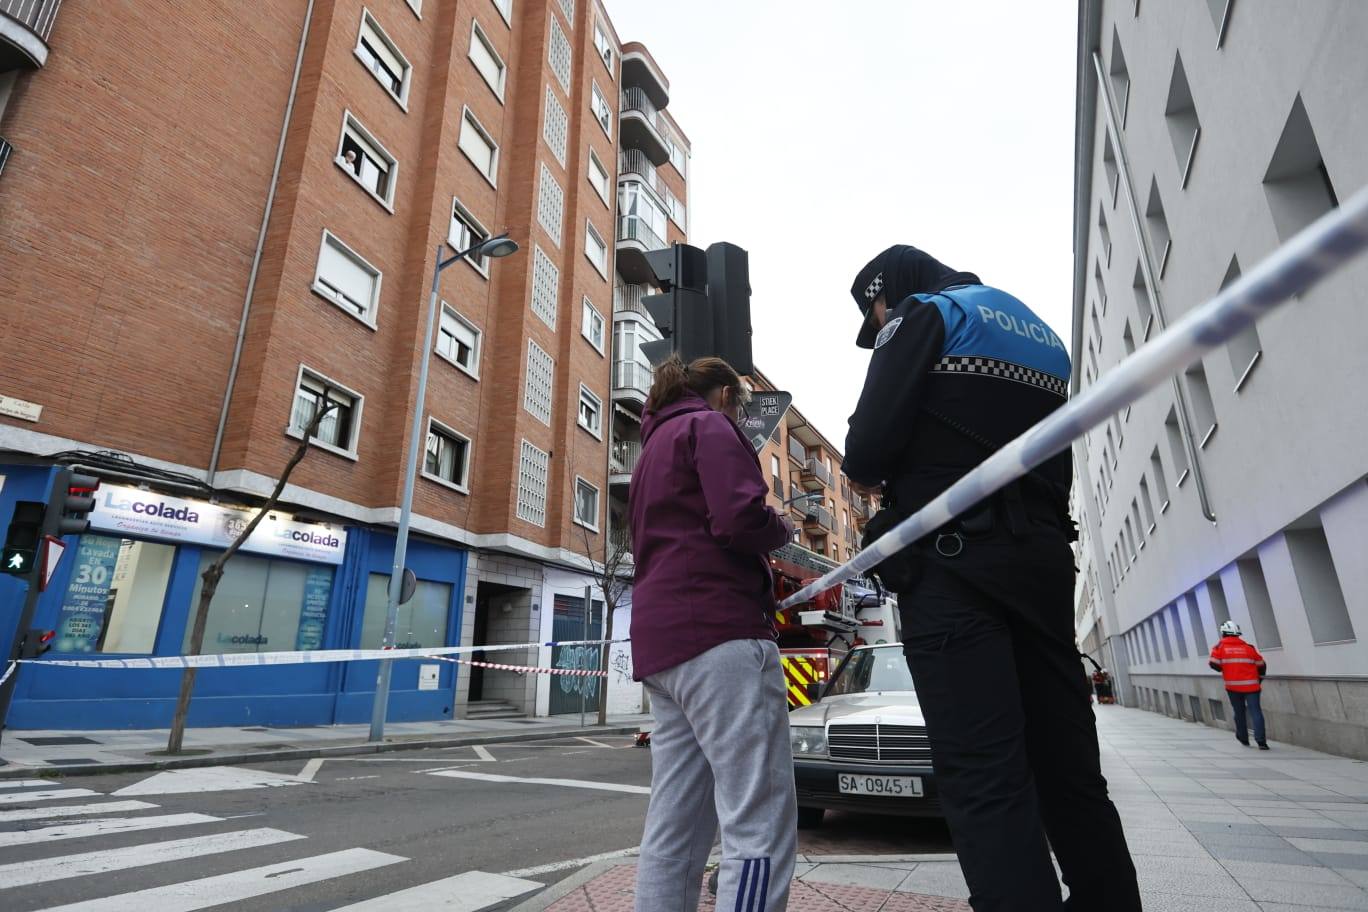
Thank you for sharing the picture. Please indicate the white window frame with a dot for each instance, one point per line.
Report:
(468, 115)
(358, 403)
(588, 313)
(604, 191)
(606, 52)
(474, 370)
(318, 288)
(586, 392)
(590, 235)
(479, 34)
(505, 8)
(598, 503)
(479, 264)
(462, 486)
(596, 96)
(368, 21)
(362, 135)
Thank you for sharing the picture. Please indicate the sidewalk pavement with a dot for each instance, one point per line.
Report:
(92, 752)
(1213, 827)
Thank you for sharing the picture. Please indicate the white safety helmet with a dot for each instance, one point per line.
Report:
(1230, 629)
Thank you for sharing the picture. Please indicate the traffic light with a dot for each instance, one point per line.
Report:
(23, 538)
(73, 497)
(729, 303)
(36, 642)
(704, 306)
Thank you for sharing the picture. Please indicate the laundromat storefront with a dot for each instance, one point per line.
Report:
(130, 585)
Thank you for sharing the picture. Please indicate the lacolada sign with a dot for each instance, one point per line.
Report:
(146, 514)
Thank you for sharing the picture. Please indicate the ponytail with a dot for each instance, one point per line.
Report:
(674, 378)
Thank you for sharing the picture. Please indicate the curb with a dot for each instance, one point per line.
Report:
(306, 753)
(569, 885)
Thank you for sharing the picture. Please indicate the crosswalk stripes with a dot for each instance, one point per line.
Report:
(468, 892)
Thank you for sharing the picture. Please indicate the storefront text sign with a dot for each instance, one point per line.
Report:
(146, 514)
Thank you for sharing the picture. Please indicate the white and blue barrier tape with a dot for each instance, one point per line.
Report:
(1314, 253)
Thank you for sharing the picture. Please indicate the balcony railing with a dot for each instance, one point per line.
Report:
(635, 162)
(627, 298)
(629, 375)
(634, 98)
(35, 18)
(620, 540)
(817, 517)
(816, 472)
(634, 228)
(797, 452)
(625, 456)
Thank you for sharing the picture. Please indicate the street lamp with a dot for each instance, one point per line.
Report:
(500, 246)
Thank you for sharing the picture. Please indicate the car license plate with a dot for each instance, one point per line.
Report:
(886, 786)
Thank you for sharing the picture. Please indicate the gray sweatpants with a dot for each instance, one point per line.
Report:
(720, 751)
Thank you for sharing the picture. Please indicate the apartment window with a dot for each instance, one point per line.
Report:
(598, 177)
(595, 249)
(1204, 410)
(1176, 447)
(381, 56)
(487, 60)
(592, 325)
(447, 456)
(1220, 17)
(550, 205)
(676, 208)
(537, 391)
(1110, 169)
(1157, 223)
(586, 504)
(558, 55)
(361, 156)
(1142, 302)
(505, 8)
(459, 341)
(479, 146)
(1139, 527)
(1180, 113)
(1148, 503)
(603, 112)
(1161, 483)
(532, 472)
(464, 232)
(1260, 604)
(1322, 595)
(604, 45)
(1120, 77)
(347, 280)
(417, 7)
(1130, 539)
(679, 157)
(339, 429)
(545, 286)
(1104, 236)
(590, 412)
(556, 129)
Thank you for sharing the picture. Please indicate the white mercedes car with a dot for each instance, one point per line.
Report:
(862, 744)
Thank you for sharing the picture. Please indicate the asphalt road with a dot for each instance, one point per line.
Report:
(326, 834)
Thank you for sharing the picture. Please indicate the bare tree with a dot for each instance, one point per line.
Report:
(214, 572)
(613, 575)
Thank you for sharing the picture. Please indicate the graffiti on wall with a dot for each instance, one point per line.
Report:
(580, 658)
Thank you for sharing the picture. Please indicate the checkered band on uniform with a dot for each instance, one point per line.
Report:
(874, 288)
(1003, 370)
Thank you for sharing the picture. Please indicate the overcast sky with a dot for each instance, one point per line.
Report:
(822, 133)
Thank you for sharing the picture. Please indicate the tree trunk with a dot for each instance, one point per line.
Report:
(604, 655)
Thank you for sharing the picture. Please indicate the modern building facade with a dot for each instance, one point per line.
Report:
(197, 252)
(1208, 134)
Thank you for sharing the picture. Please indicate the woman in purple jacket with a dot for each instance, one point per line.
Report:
(703, 644)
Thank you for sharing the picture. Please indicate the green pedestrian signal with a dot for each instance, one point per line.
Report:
(23, 537)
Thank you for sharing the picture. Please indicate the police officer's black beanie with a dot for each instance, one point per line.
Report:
(898, 272)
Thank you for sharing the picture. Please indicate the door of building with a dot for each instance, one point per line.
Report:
(568, 622)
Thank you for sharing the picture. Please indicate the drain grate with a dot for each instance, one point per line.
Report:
(58, 741)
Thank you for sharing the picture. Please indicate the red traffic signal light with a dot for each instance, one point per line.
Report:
(77, 493)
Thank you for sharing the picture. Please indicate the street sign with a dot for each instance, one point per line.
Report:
(53, 548)
(763, 414)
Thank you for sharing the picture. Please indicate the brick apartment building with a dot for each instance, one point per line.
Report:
(211, 215)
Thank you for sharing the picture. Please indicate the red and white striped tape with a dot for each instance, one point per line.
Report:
(526, 669)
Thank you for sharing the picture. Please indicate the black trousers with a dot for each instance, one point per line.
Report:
(1013, 738)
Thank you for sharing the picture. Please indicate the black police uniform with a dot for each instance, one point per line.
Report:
(958, 370)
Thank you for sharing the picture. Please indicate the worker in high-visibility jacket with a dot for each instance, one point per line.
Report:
(1243, 669)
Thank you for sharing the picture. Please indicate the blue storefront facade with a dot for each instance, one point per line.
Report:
(128, 588)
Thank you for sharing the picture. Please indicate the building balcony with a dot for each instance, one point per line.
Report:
(633, 163)
(639, 70)
(627, 299)
(638, 124)
(797, 452)
(634, 238)
(623, 460)
(24, 29)
(631, 384)
(817, 520)
(815, 475)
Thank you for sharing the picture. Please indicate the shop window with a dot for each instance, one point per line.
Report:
(263, 605)
(421, 622)
(113, 601)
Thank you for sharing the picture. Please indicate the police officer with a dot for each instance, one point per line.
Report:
(958, 370)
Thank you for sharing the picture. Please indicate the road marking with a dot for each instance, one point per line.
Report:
(483, 753)
(73, 810)
(593, 742)
(564, 783)
(573, 863)
(23, 873)
(104, 827)
(354, 778)
(208, 779)
(24, 783)
(468, 892)
(51, 795)
(239, 885)
(310, 770)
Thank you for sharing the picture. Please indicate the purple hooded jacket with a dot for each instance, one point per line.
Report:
(701, 536)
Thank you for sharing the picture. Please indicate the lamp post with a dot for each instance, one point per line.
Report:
(500, 246)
